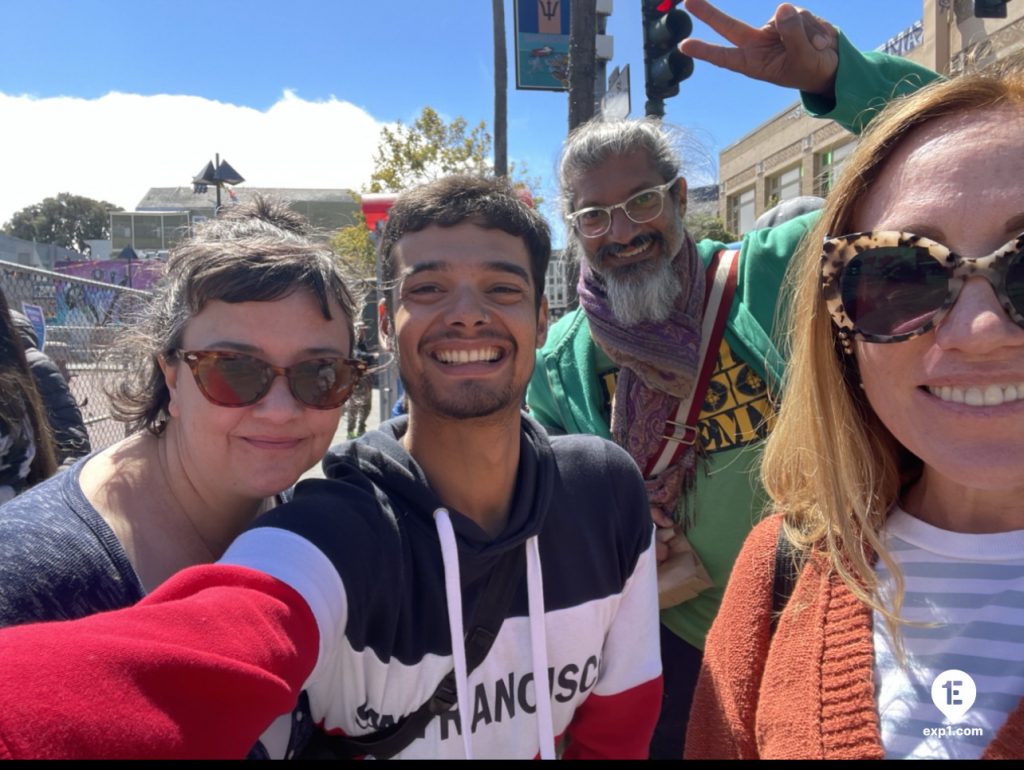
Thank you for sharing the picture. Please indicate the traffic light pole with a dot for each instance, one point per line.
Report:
(654, 108)
(582, 52)
(500, 90)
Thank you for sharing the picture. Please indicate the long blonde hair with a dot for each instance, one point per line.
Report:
(830, 464)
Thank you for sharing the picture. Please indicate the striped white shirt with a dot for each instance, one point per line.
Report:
(970, 590)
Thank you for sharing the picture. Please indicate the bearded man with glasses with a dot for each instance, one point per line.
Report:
(672, 353)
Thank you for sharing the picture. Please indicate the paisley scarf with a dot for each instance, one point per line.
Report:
(658, 365)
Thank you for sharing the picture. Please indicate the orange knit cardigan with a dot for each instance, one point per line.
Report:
(807, 692)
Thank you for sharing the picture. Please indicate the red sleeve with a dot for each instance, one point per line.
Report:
(198, 669)
(615, 726)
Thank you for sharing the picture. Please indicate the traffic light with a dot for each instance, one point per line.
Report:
(665, 26)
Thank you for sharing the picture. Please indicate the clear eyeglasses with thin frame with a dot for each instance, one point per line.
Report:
(640, 207)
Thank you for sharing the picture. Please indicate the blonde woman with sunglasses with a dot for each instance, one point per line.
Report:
(238, 373)
(897, 461)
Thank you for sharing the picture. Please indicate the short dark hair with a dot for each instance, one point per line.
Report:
(491, 203)
(259, 251)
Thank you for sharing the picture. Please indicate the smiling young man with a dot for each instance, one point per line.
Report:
(469, 478)
(374, 584)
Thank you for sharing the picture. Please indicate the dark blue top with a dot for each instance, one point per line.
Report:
(59, 560)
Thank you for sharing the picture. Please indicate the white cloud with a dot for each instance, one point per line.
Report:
(116, 147)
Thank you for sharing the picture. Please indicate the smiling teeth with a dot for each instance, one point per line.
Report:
(468, 356)
(980, 395)
(632, 252)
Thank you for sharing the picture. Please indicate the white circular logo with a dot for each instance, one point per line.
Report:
(954, 692)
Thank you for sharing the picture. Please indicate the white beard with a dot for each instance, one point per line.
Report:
(647, 294)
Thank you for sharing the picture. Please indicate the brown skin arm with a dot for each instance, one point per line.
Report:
(794, 49)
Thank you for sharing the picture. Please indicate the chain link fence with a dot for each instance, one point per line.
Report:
(82, 318)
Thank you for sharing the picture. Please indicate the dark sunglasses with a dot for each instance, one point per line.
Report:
(889, 286)
(234, 379)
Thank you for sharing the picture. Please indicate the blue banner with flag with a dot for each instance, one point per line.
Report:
(542, 44)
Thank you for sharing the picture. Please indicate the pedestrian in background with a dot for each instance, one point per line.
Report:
(70, 437)
(361, 400)
(26, 447)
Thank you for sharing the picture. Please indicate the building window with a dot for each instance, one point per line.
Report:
(828, 164)
(556, 286)
(782, 187)
(740, 212)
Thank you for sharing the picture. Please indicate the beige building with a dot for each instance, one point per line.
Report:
(793, 154)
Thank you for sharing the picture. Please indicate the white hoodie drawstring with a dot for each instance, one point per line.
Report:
(538, 635)
(539, 645)
(453, 593)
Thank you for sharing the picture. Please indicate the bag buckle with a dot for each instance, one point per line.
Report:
(689, 437)
(445, 696)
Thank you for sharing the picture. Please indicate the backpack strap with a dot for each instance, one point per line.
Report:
(681, 428)
(488, 615)
(789, 561)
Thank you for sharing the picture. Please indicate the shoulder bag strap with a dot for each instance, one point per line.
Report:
(789, 560)
(488, 615)
(681, 429)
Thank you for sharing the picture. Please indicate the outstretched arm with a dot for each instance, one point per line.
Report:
(797, 49)
(793, 49)
(198, 669)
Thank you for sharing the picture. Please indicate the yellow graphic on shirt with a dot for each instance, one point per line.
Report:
(736, 408)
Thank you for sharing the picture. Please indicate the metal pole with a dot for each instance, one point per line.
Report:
(216, 168)
(582, 51)
(387, 378)
(500, 90)
(600, 67)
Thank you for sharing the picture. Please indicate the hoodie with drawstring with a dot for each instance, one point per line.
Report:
(354, 592)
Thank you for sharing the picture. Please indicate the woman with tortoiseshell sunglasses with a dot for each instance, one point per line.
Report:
(897, 462)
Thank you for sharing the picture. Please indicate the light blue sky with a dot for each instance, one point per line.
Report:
(291, 74)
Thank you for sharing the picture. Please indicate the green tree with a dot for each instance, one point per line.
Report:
(410, 155)
(67, 220)
(702, 226)
(355, 247)
(428, 149)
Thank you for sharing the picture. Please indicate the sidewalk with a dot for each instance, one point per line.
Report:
(342, 433)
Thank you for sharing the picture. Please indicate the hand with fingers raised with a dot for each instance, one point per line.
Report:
(794, 49)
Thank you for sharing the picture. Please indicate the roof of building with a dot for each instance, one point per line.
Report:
(32, 253)
(183, 198)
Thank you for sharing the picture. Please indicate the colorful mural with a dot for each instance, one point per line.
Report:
(81, 304)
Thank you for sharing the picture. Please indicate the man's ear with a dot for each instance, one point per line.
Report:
(542, 322)
(681, 187)
(384, 331)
